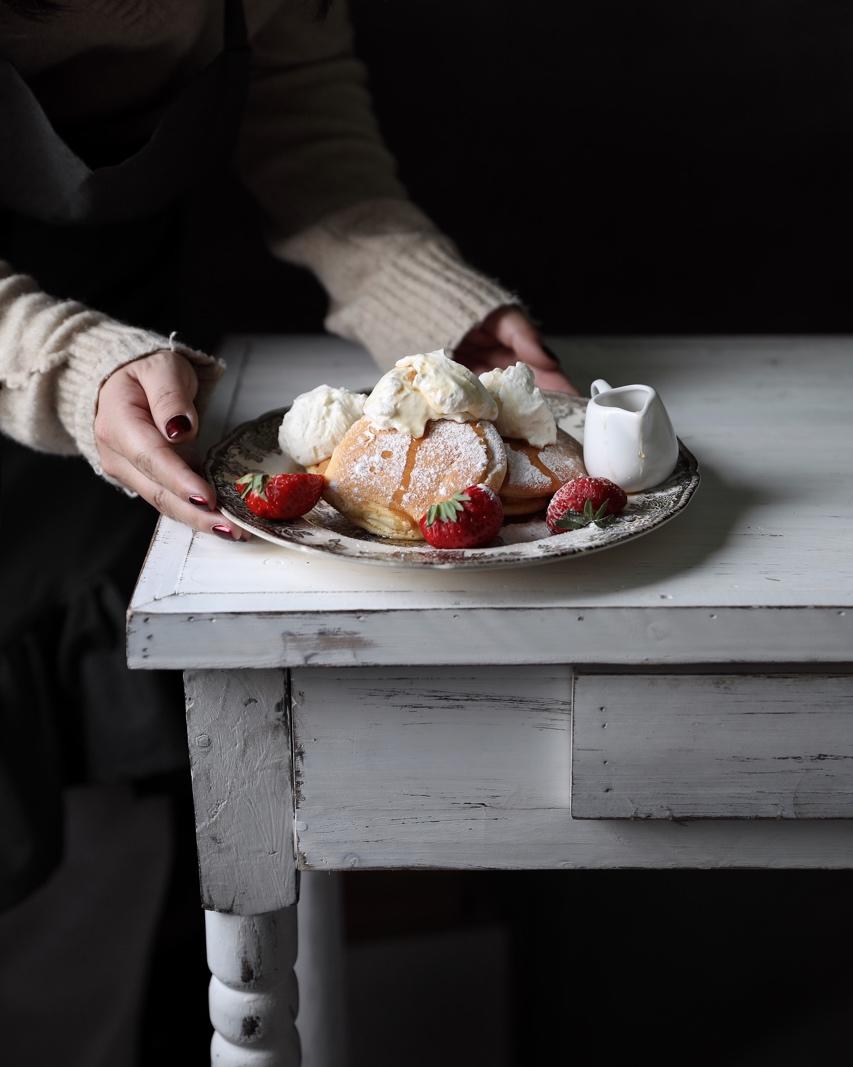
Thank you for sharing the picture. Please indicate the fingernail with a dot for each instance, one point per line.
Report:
(550, 352)
(223, 531)
(199, 502)
(178, 424)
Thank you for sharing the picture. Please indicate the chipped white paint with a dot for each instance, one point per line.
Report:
(239, 740)
(471, 768)
(240, 748)
(734, 578)
(640, 636)
(253, 994)
(712, 746)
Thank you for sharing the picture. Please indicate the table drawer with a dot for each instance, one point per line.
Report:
(472, 767)
(712, 746)
(448, 766)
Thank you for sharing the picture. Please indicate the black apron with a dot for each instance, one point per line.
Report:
(101, 219)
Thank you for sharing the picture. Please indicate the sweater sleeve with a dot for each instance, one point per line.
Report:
(311, 155)
(55, 355)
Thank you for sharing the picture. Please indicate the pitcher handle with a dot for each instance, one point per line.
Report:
(599, 386)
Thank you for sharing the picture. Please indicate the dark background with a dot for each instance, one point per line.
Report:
(626, 167)
(664, 166)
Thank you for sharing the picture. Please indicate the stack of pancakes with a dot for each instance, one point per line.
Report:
(384, 480)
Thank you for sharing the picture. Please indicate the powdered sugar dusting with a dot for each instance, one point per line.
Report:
(521, 533)
(564, 458)
(523, 474)
(487, 489)
(381, 462)
(450, 458)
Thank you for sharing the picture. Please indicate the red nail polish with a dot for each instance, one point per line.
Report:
(199, 502)
(178, 424)
(222, 531)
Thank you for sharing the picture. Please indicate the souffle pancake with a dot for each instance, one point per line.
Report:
(384, 479)
(534, 474)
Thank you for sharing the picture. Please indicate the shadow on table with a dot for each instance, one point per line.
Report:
(706, 524)
(718, 512)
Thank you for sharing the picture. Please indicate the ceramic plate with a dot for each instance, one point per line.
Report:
(254, 446)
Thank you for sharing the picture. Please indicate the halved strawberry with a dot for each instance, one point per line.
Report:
(465, 520)
(280, 496)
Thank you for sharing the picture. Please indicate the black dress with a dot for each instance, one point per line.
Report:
(100, 220)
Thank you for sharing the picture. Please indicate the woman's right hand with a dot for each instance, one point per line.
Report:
(145, 410)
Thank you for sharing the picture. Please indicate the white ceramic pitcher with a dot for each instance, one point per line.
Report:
(628, 436)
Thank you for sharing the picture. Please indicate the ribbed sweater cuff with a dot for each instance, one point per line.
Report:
(97, 352)
(424, 297)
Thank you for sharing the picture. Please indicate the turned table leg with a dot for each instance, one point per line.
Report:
(253, 994)
(238, 727)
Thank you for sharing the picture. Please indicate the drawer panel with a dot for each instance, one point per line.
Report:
(417, 767)
(712, 746)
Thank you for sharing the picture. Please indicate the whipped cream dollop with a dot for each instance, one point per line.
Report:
(427, 386)
(317, 421)
(522, 409)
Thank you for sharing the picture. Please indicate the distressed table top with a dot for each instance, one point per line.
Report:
(758, 569)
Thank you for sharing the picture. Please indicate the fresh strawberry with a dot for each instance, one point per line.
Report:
(582, 501)
(280, 496)
(466, 520)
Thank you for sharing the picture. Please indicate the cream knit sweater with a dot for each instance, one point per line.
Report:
(310, 154)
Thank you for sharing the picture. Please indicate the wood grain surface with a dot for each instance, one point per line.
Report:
(714, 746)
(238, 728)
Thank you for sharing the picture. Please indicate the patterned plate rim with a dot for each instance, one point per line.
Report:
(664, 503)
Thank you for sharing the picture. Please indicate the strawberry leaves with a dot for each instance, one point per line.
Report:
(254, 482)
(447, 510)
(467, 519)
(577, 520)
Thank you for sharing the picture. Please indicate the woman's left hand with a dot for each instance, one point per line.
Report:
(503, 338)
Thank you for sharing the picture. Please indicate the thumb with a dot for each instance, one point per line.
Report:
(170, 385)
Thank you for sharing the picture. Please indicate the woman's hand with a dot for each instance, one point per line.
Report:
(504, 337)
(145, 416)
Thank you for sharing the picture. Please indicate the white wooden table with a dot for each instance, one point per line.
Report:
(685, 700)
